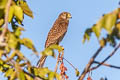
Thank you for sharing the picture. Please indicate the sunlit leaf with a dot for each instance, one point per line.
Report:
(97, 27)
(1, 22)
(87, 35)
(6, 65)
(18, 31)
(11, 11)
(51, 75)
(102, 42)
(77, 72)
(18, 12)
(9, 72)
(57, 47)
(3, 3)
(12, 42)
(20, 73)
(13, 75)
(1, 53)
(26, 8)
(48, 52)
(28, 43)
(58, 77)
(42, 72)
(110, 20)
(28, 77)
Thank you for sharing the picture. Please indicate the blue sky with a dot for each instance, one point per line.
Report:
(84, 14)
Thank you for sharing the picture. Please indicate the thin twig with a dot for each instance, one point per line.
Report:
(109, 56)
(70, 63)
(86, 69)
(6, 17)
(56, 67)
(108, 65)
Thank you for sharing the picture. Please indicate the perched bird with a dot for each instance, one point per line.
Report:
(56, 33)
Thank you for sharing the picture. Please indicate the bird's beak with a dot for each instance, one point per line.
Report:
(69, 16)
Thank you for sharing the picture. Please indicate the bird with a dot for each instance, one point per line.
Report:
(56, 33)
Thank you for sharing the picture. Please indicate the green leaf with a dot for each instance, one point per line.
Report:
(26, 8)
(18, 12)
(3, 4)
(10, 16)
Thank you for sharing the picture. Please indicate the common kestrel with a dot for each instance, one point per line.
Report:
(56, 33)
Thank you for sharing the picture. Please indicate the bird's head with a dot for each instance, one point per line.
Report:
(65, 15)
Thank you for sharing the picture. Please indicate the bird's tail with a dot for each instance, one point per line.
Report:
(41, 61)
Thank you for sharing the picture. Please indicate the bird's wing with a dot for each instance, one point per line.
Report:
(57, 32)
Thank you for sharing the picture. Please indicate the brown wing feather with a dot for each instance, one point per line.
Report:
(57, 32)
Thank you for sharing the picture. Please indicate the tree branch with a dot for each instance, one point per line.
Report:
(86, 69)
(113, 52)
(108, 65)
(6, 17)
(5, 26)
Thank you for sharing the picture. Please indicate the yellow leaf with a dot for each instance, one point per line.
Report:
(13, 75)
(12, 42)
(20, 73)
(110, 21)
(3, 3)
(18, 12)
(97, 27)
(28, 43)
(1, 53)
(11, 11)
(9, 72)
(77, 72)
(48, 52)
(57, 47)
(28, 77)
(1, 22)
(26, 8)
(102, 42)
(51, 76)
